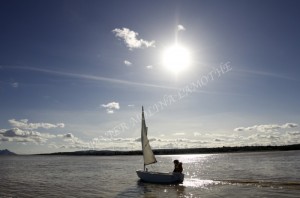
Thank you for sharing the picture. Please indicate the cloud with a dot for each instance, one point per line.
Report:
(179, 134)
(22, 131)
(239, 129)
(290, 125)
(19, 135)
(267, 127)
(206, 140)
(2, 130)
(149, 66)
(274, 138)
(268, 74)
(15, 84)
(180, 28)
(23, 124)
(68, 135)
(72, 142)
(200, 140)
(128, 63)
(131, 40)
(294, 133)
(15, 132)
(110, 107)
(90, 77)
(3, 139)
(196, 134)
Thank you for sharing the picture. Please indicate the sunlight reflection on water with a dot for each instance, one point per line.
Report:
(192, 158)
(198, 183)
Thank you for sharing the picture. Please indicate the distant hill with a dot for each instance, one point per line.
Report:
(6, 152)
(186, 151)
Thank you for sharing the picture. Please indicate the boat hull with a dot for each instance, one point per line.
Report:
(158, 177)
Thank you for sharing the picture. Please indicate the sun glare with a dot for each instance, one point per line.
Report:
(176, 58)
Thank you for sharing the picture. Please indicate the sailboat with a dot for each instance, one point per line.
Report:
(149, 158)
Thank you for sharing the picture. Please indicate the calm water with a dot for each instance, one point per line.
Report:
(267, 174)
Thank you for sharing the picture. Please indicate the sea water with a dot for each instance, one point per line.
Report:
(260, 174)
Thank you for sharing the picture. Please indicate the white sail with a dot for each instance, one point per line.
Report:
(149, 157)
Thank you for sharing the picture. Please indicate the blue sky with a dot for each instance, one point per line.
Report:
(74, 74)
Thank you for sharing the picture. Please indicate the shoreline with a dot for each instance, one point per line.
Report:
(237, 149)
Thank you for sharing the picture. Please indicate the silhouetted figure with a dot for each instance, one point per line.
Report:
(177, 167)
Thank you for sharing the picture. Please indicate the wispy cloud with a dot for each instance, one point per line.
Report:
(131, 40)
(149, 66)
(268, 74)
(179, 134)
(110, 107)
(267, 127)
(23, 124)
(89, 77)
(15, 84)
(128, 63)
(180, 28)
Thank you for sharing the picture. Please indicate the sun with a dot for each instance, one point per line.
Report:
(176, 58)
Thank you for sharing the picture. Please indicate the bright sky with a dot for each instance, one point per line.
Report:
(75, 74)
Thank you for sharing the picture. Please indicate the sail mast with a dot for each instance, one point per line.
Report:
(149, 157)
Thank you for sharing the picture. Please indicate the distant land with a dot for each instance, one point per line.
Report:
(184, 151)
(6, 152)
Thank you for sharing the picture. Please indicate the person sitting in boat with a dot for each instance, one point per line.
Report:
(177, 167)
